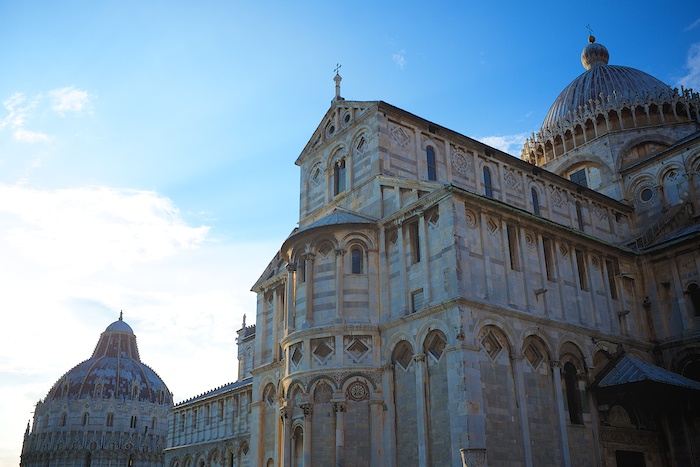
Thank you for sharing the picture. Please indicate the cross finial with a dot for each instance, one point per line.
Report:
(121, 313)
(337, 68)
(590, 29)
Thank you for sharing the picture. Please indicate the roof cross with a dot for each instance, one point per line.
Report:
(337, 68)
(590, 29)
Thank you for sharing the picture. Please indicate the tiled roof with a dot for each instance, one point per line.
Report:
(629, 369)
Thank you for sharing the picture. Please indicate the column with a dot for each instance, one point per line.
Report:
(339, 408)
(473, 441)
(308, 415)
(339, 270)
(286, 418)
(402, 267)
(383, 276)
(291, 305)
(375, 426)
(556, 387)
(425, 255)
(275, 327)
(309, 278)
(421, 412)
(522, 407)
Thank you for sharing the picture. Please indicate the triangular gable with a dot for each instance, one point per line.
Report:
(333, 122)
(628, 369)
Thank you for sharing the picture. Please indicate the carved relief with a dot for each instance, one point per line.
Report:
(461, 163)
(357, 391)
(400, 136)
(511, 180)
(557, 198)
(472, 219)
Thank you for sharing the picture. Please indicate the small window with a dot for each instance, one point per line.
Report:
(646, 194)
(488, 187)
(573, 397)
(535, 202)
(194, 420)
(356, 257)
(339, 177)
(548, 250)
(611, 270)
(110, 419)
(182, 422)
(579, 215)
(512, 232)
(133, 421)
(581, 265)
(430, 157)
(579, 177)
(414, 239)
(64, 417)
(693, 291)
(86, 418)
(154, 423)
(416, 300)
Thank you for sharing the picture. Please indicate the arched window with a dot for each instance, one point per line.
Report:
(535, 202)
(573, 398)
(693, 291)
(488, 187)
(356, 257)
(110, 419)
(339, 177)
(430, 158)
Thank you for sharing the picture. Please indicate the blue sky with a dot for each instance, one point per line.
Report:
(147, 148)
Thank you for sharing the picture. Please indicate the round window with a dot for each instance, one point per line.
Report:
(646, 194)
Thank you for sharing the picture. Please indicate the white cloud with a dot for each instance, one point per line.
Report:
(512, 144)
(69, 99)
(692, 78)
(399, 59)
(693, 25)
(91, 228)
(26, 136)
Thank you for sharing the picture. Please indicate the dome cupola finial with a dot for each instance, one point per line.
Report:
(593, 54)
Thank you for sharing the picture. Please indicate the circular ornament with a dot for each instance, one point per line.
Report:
(358, 391)
(459, 162)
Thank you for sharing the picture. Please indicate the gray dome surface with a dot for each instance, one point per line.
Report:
(115, 370)
(602, 79)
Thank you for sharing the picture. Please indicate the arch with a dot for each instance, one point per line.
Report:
(295, 385)
(428, 327)
(360, 134)
(571, 352)
(535, 351)
(269, 394)
(434, 344)
(625, 157)
(494, 342)
(317, 245)
(431, 163)
(357, 374)
(497, 322)
(322, 391)
(692, 290)
(355, 237)
(668, 167)
(402, 354)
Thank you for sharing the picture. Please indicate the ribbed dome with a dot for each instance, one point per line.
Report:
(114, 371)
(602, 79)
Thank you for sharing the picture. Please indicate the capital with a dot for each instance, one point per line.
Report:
(339, 407)
(419, 357)
(308, 256)
(291, 267)
(308, 409)
(339, 252)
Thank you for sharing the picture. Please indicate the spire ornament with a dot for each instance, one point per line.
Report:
(337, 80)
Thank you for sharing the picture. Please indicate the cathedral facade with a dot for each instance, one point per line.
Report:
(110, 410)
(444, 303)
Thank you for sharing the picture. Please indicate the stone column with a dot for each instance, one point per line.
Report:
(286, 418)
(425, 255)
(339, 276)
(275, 326)
(421, 410)
(375, 426)
(309, 278)
(522, 408)
(308, 429)
(556, 387)
(403, 300)
(291, 305)
(473, 449)
(339, 408)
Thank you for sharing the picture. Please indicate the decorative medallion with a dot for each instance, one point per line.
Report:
(599, 212)
(460, 163)
(557, 198)
(491, 345)
(345, 119)
(511, 180)
(400, 136)
(357, 391)
(530, 241)
(361, 145)
(316, 175)
(492, 226)
(672, 175)
(472, 221)
(563, 250)
(595, 263)
(330, 129)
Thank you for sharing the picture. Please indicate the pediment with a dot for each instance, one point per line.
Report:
(340, 116)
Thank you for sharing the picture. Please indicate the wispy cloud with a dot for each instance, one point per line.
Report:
(693, 25)
(399, 59)
(512, 144)
(692, 78)
(21, 111)
(69, 99)
(91, 228)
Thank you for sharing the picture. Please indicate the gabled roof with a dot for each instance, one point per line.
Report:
(627, 369)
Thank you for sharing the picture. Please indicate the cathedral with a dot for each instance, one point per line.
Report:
(443, 303)
(110, 410)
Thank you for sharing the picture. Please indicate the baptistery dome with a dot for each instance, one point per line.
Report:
(111, 408)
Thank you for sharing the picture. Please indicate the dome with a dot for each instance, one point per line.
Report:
(115, 371)
(601, 81)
